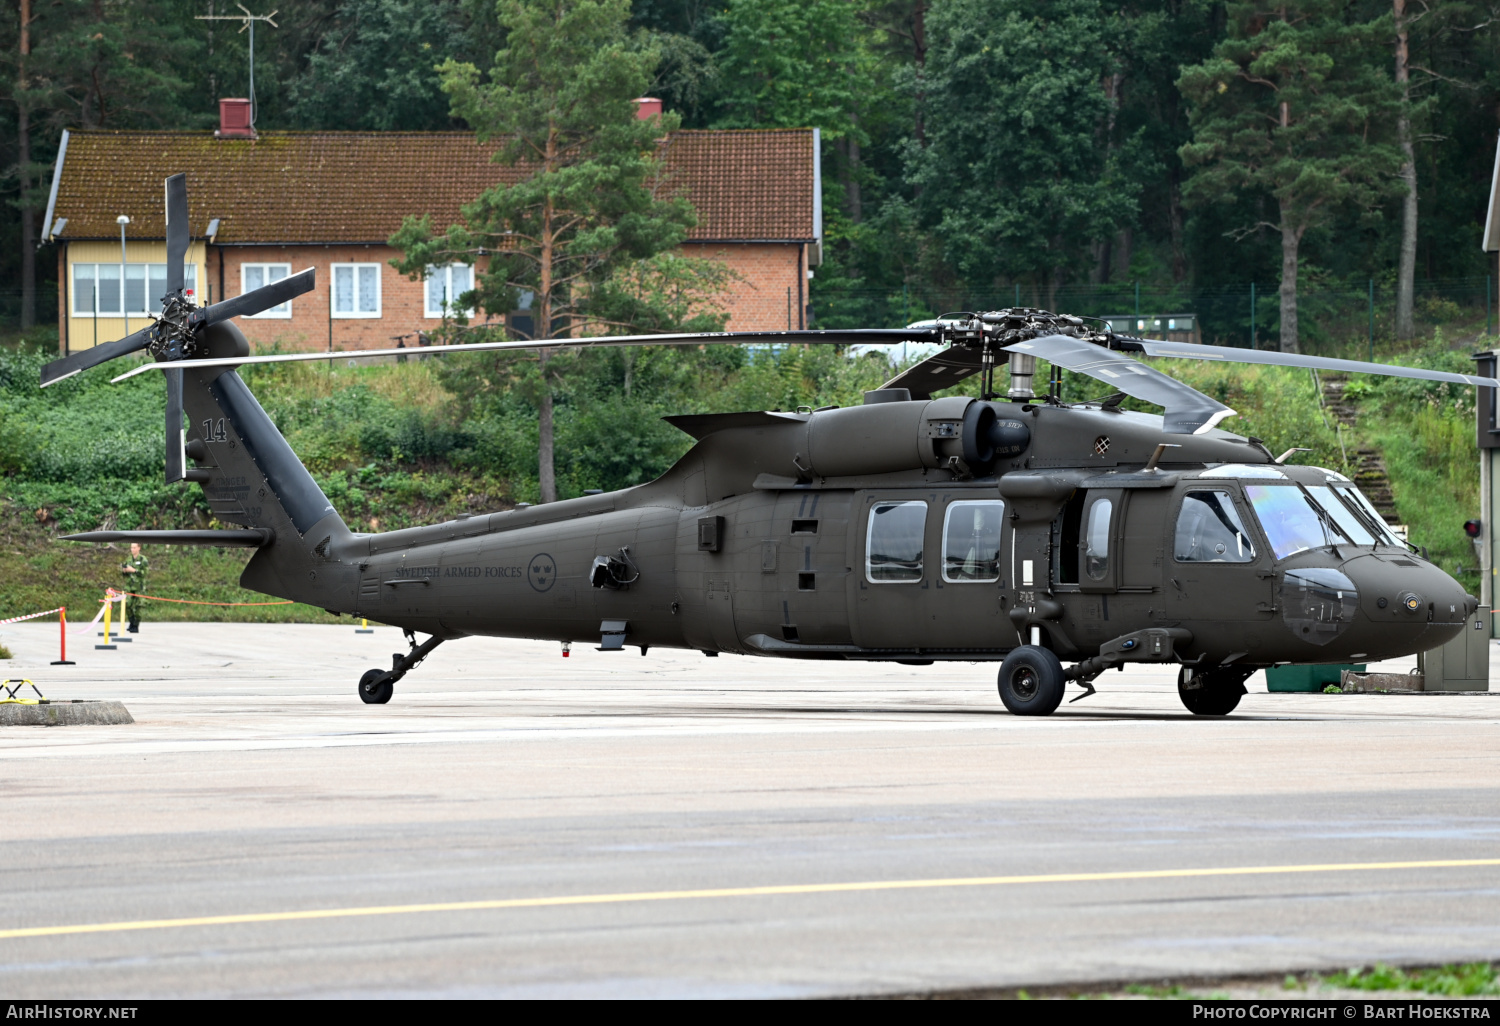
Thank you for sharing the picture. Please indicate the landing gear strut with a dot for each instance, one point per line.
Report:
(377, 685)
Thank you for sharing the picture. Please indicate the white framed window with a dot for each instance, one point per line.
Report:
(893, 542)
(356, 290)
(145, 284)
(254, 276)
(443, 287)
(971, 540)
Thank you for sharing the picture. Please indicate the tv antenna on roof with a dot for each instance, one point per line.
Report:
(247, 21)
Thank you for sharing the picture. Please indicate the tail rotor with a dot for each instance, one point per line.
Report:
(177, 332)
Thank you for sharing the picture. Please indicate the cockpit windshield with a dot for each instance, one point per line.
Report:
(1350, 524)
(1371, 516)
(1290, 518)
(1297, 518)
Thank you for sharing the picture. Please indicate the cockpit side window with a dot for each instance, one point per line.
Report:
(1209, 530)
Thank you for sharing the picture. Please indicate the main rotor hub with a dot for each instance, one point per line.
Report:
(990, 332)
(175, 335)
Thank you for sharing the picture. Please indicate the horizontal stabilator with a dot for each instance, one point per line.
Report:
(247, 539)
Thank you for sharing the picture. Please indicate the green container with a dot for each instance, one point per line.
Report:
(1308, 678)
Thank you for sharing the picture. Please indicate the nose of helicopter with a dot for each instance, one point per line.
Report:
(1403, 605)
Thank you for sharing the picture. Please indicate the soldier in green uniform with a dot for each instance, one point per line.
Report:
(135, 581)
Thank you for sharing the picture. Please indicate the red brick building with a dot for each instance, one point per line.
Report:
(276, 204)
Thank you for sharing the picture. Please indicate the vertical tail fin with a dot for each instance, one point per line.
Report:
(251, 477)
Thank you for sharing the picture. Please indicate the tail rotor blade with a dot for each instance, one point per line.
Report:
(176, 459)
(178, 234)
(263, 298)
(82, 361)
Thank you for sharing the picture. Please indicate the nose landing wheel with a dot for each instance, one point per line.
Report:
(1212, 692)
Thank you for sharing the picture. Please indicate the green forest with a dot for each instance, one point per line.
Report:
(1308, 176)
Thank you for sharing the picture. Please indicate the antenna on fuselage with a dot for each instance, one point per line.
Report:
(1157, 455)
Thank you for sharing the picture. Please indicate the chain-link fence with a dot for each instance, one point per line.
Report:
(10, 305)
(1334, 318)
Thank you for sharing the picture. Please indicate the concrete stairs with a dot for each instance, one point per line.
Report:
(1367, 466)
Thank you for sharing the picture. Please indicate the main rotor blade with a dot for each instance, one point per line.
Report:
(853, 337)
(71, 364)
(176, 458)
(1226, 354)
(261, 299)
(1187, 410)
(177, 230)
(940, 370)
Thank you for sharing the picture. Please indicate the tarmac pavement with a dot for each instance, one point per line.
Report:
(838, 828)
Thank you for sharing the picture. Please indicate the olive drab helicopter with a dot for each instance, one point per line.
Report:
(1060, 539)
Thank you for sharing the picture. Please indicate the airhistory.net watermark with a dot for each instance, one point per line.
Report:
(50, 1011)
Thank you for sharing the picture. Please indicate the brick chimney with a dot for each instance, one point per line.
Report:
(234, 120)
(647, 107)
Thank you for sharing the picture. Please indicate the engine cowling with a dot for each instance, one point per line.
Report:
(889, 437)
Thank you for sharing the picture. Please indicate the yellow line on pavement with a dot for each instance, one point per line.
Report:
(731, 892)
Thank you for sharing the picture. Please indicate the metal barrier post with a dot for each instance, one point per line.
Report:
(122, 596)
(62, 623)
(109, 605)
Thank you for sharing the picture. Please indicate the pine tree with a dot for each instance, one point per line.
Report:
(559, 97)
(1295, 103)
(1013, 182)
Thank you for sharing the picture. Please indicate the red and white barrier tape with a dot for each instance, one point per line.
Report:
(33, 616)
(97, 617)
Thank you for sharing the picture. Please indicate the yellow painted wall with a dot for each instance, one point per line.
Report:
(80, 330)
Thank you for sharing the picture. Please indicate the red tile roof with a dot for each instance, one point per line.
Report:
(326, 187)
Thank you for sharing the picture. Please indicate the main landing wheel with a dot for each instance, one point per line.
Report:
(372, 691)
(1216, 693)
(1031, 681)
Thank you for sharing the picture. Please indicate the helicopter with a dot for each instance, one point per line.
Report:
(1059, 539)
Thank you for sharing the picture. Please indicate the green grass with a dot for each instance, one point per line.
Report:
(41, 572)
(5, 653)
(1159, 992)
(1470, 980)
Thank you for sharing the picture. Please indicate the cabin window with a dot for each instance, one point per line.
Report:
(893, 545)
(971, 541)
(1096, 540)
(1209, 530)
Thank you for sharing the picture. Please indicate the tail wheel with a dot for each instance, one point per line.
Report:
(1031, 681)
(1213, 692)
(374, 691)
